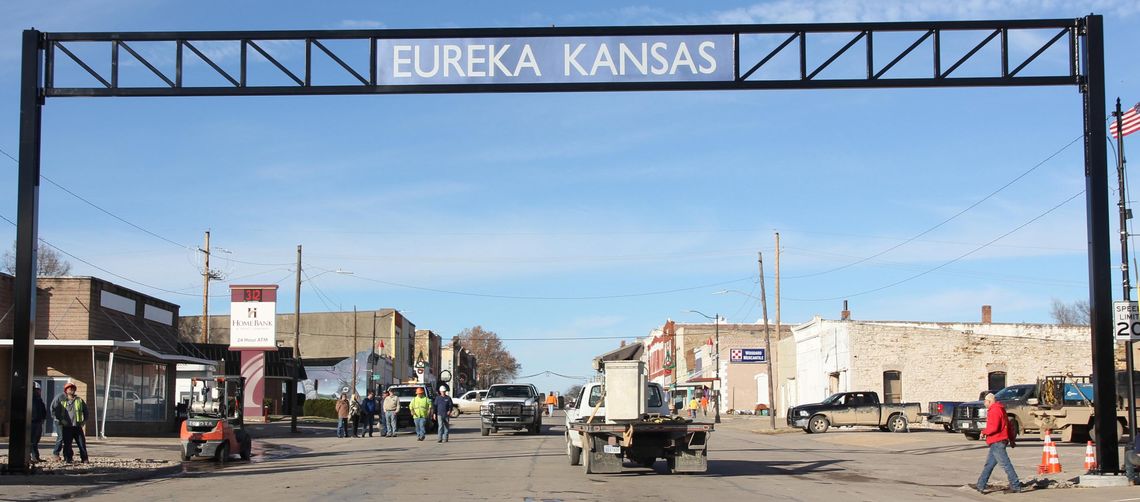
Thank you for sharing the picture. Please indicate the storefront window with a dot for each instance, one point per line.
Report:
(138, 391)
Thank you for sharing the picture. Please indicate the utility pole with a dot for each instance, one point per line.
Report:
(354, 349)
(771, 348)
(1125, 215)
(372, 355)
(719, 384)
(296, 344)
(206, 292)
(777, 285)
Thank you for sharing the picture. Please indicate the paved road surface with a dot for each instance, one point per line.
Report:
(840, 465)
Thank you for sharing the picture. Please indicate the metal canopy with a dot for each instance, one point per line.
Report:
(45, 54)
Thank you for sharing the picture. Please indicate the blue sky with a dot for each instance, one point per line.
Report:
(554, 217)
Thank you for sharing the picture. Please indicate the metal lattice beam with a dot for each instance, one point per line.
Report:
(297, 46)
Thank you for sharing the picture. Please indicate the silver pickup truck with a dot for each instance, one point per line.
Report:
(848, 409)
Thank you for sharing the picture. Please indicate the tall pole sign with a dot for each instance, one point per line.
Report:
(253, 331)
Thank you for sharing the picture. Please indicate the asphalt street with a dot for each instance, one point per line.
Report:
(744, 464)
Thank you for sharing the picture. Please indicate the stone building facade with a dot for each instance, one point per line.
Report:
(929, 361)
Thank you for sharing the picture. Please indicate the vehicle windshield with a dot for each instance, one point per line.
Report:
(404, 391)
(1012, 393)
(511, 391)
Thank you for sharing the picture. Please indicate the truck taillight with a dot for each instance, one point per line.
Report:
(939, 407)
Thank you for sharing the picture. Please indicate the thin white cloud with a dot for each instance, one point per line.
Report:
(360, 24)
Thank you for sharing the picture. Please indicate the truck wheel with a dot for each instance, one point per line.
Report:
(1119, 431)
(483, 431)
(818, 424)
(586, 459)
(574, 452)
(223, 453)
(454, 413)
(897, 423)
(972, 436)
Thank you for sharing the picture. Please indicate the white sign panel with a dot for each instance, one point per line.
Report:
(252, 325)
(1127, 319)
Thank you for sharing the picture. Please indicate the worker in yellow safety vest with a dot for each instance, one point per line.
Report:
(420, 408)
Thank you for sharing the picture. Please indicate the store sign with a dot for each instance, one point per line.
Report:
(253, 317)
(748, 356)
(556, 60)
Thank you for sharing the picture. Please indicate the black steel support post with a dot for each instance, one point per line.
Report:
(24, 311)
(1100, 281)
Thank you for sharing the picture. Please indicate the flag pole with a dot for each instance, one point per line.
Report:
(1125, 215)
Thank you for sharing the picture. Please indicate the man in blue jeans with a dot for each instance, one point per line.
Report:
(441, 409)
(997, 437)
(421, 410)
(391, 406)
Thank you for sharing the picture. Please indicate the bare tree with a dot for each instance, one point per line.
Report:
(49, 262)
(494, 362)
(574, 390)
(1070, 314)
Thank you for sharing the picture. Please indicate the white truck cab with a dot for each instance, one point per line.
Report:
(590, 397)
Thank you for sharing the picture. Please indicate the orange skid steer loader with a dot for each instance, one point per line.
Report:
(215, 423)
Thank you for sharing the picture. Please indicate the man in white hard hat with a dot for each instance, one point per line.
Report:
(442, 410)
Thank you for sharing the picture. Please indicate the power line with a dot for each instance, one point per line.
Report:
(524, 297)
(928, 271)
(945, 221)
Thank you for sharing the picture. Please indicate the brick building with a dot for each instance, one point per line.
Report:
(91, 332)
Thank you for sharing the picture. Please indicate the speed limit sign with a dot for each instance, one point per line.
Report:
(1127, 319)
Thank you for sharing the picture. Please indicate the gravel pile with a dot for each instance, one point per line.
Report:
(98, 465)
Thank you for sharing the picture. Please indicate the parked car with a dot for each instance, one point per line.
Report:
(941, 412)
(970, 418)
(470, 401)
(848, 409)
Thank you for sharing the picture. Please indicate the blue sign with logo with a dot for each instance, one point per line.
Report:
(748, 356)
(551, 60)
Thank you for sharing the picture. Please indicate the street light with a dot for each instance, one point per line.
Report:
(771, 356)
(716, 334)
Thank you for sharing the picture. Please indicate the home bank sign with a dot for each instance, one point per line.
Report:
(556, 60)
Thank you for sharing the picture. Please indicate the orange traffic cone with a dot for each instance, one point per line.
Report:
(1054, 460)
(1043, 468)
(1090, 457)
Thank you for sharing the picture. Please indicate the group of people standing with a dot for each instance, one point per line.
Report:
(364, 413)
(69, 412)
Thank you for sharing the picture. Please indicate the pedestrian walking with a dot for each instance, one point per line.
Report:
(441, 410)
(39, 414)
(368, 408)
(551, 402)
(71, 412)
(391, 407)
(998, 439)
(354, 414)
(342, 416)
(420, 408)
(693, 405)
(705, 403)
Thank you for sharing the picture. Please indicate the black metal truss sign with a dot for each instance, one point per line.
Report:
(872, 55)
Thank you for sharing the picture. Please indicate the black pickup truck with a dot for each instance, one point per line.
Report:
(849, 409)
(970, 418)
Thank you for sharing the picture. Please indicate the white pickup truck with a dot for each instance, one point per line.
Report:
(659, 436)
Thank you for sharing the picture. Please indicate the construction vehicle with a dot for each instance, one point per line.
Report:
(1065, 405)
(628, 430)
(215, 426)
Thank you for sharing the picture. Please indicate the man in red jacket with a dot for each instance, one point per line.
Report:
(997, 437)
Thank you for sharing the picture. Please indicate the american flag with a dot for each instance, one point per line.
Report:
(1129, 122)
